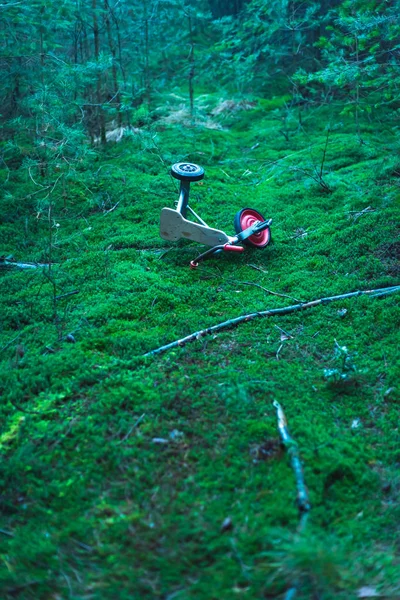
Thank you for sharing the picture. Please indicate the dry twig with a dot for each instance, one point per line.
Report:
(303, 502)
(67, 294)
(269, 291)
(358, 214)
(137, 422)
(257, 268)
(9, 533)
(9, 264)
(111, 209)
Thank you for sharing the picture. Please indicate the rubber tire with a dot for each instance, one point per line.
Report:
(187, 171)
(237, 223)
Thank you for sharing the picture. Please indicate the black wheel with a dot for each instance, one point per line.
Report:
(187, 171)
(246, 218)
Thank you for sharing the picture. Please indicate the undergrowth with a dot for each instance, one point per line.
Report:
(118, 472)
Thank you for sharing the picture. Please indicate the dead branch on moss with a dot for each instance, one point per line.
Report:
(268, 291)
(4, 532)
(10, 264)
(136, 423)
(357, 214)
(270, 313)
(62, 296)
(258, 268)
(303, 502)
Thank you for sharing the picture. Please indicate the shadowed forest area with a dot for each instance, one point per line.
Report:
(132, 473)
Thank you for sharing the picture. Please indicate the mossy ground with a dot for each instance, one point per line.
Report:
(92, 507)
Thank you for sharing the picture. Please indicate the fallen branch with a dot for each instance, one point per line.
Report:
(9, 264)
(357, 215)
(137, 422)
(4, 532)
(66, 295)
(11, 341)
(111, 209)
(303, 502)
(270, 313)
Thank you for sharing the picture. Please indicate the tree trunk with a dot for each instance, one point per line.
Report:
(111, 45)
(191, 67)
(100, 115)
(42, 161)
(146, 61)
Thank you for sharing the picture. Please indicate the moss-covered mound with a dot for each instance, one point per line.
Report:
(118, 472)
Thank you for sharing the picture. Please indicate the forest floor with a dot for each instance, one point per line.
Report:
(164, 478)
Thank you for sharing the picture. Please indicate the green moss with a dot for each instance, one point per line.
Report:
(95, 506)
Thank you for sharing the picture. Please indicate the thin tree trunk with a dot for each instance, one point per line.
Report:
(100, 115)
(146, 61)
(77, 38)
(43, 163)
(357, 112)
(85, 45)
(81, 39)
(16, 90)
(120, 62)
(119, 44)
(41, 50)
(191, 67)
(111, 45)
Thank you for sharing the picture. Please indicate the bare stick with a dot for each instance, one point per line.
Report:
(363, 212)
(111, 209)
(285, 333)
(303, 502)
(4, 532)
(270, 313)
(137, 422)
(9, 264)
(268, 291)
(257, 268)
(11, 341)
(67, 294)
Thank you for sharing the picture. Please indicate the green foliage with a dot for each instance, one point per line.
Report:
(91, 503)
(354, 67)
(118, 472)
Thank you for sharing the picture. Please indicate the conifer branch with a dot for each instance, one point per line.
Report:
(270, 313)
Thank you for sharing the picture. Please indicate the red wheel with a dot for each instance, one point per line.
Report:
(246, 218)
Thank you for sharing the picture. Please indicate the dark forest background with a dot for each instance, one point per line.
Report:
(71, 70)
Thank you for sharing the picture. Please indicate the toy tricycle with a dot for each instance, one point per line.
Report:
(250, 226)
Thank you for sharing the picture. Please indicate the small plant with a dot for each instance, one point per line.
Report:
(289, 121)
(315, 171)
(346, 368)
